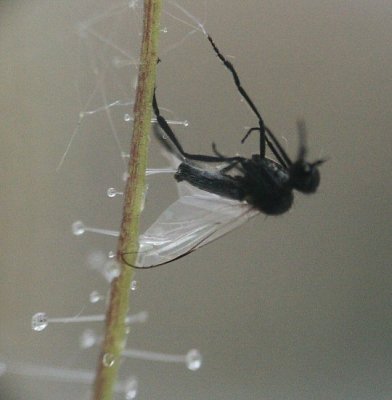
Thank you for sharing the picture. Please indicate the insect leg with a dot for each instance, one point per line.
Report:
(231, 165)
(243, 93)
(169, 132)
(270, 138)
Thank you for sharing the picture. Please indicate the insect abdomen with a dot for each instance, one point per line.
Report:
(216, 183)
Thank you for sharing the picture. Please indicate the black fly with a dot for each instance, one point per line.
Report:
(213, 201)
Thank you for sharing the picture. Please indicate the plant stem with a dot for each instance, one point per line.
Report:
(133, 200)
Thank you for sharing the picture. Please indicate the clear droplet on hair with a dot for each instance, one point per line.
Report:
(78, 228)
(88, 339)
(186, 123)
(111, 192)
(127, 117)
(39, 321)
(134, 285)
(193, 360)
(108, 360)
(111, 270)
(130, 388)
(95, 296)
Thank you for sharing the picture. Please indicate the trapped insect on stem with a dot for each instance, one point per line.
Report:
(215, 200)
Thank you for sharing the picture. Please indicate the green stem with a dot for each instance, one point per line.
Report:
(133, 199)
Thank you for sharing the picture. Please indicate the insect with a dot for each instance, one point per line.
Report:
(219, 193)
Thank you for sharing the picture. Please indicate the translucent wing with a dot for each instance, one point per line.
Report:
(194, 220)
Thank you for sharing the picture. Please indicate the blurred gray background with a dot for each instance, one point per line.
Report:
(294, 307)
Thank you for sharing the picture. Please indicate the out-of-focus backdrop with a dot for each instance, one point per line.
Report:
(293, 307)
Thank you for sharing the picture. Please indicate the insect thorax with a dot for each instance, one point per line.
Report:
(267, 186)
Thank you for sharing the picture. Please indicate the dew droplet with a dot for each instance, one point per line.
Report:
(95, 296)
(111, 270)
(111, 254)
(39, 321)
(111, 192)
(87, 339)
(193, 360)
(164, 30)
(130, 388)
(108, 360)
(186, 123)
(134, 285)
(78, 228)
(127, 117)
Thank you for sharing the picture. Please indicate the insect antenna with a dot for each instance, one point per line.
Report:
(302, 132)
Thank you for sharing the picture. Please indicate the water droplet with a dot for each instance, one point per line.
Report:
(95, 297)
(87, 339)
(131, 388)
(111, 192)
(108, 360)
(164, 30)
(127, 117)
(78, 228)
(39, 321)
(111, 254)
(193, 360)
(111, 270)
(186, 123)
(134, 285)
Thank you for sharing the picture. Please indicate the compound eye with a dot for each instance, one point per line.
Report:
(305, 177)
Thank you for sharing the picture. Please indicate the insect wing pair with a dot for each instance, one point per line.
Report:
(194, 220)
